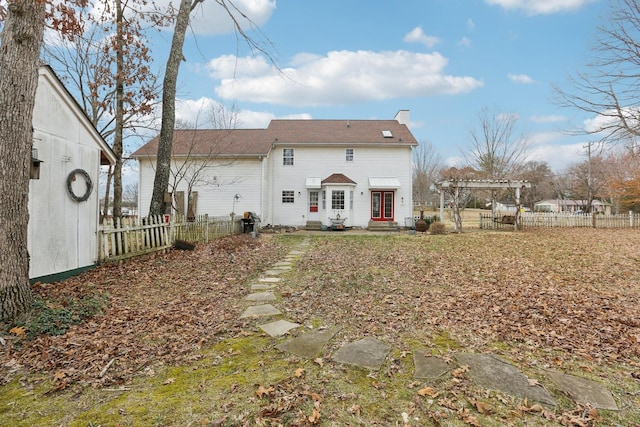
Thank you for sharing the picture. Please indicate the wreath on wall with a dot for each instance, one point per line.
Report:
(72, 177)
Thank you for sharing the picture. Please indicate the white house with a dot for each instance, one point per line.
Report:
(63, 192)
(304, 173)
(571, 206)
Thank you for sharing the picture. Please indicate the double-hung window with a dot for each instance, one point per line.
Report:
(287, 156)
(349, 154)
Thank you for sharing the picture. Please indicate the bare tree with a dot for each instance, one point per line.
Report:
(112, 77)
(163, 167)
(497, 152)
(542, 182)
(426, 165)
(608, 88)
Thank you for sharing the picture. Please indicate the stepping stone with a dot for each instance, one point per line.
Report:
(273, 272)
(269, 280)
(584, 391)
(493, 372)
(260, 310)
(308, 345)
(282, 267)
(261, 296)
(278, 328)
(261, 287)
(428, 366)
(366, 353)
(295, 252)
(282, 264)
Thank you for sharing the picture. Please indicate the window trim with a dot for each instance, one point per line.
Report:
(288, 157)
(349, 157)
(289, 197)
(337, 201)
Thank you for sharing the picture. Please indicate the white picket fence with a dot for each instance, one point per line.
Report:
(565, 220)
(130, 237)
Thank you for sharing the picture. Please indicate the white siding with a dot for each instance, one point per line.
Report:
(390, 161)
(62, 232)
(215, 196)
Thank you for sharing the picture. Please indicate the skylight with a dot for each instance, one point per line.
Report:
(387, 134)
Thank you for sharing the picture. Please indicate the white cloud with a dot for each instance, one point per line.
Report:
(541, 7)
(340, 77)
(548, 119)
(521, 78)
(471, 25)
(198, 112)
(211, 18)
(465, 42)
(418, 36)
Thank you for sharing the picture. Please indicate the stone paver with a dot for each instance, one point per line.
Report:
(261, 296)
(270, 279)
(296, 252)
(262, 287)
(278, 328)
(428, 366)
(260, 310)
(309, 344)
(584, 391)
(282, 264)
(273, 272)
(493, 372)
(367, 353)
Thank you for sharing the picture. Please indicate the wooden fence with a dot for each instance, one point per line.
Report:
(130, 237)
(563, 220)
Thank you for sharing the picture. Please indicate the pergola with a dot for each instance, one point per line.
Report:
(455, 185)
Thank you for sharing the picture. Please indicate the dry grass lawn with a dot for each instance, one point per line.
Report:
(170, 349)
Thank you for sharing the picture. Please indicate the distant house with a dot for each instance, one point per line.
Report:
(295, 172)
(571, 206)
(63, 192)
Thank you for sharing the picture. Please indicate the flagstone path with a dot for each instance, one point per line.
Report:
(486, 370)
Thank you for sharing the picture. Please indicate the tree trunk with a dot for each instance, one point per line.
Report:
(119, 129)
(165, 143)
(20, 44)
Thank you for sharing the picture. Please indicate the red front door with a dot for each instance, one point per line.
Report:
(382, 205)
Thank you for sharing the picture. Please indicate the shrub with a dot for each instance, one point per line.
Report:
(437, 228)
(49, 318)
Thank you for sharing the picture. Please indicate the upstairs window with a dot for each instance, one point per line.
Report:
(349, 154)
(287, 156)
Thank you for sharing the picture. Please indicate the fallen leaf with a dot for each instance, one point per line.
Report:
(319, 361)
(354, 409)
(169, 381)
(460, 371)
(59, 375)
(264, 391)
(314, 418)
(18, 331)
(428, 391)
(299, 372)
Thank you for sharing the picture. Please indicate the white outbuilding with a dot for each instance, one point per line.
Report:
(67, 155)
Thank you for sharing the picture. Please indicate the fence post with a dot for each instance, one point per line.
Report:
(206, 228)
(480, 222)
(631, 218)
(593, 219)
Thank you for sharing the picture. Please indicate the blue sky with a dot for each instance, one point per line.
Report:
(444, 60)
